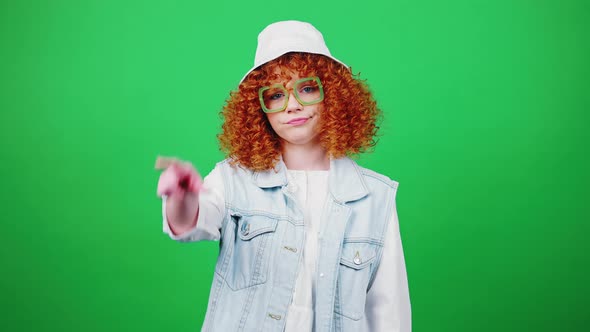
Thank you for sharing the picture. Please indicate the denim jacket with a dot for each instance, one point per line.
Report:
(261, 248)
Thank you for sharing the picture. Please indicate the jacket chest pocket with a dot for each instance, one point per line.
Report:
(248, 242)
(353, 278)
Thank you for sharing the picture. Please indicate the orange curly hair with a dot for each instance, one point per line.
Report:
(348, 122)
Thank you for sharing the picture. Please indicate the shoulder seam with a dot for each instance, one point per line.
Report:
(380, 177)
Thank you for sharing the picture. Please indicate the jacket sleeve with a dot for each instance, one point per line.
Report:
(211, 211)
(388, 300)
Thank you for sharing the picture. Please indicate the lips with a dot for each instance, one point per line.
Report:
(297, 121)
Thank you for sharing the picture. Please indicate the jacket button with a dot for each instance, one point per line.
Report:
(245, 228)
(357, 259)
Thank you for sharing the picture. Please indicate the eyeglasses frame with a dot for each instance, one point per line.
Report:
(295, 94)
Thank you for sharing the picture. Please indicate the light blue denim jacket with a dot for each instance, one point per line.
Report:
(261, 248)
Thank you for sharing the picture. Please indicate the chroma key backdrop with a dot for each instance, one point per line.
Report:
(485, 127)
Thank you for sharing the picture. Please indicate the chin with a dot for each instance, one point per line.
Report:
(300, 140)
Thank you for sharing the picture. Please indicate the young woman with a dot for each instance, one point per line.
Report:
(309, 240)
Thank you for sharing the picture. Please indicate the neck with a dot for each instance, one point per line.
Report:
(309, 157)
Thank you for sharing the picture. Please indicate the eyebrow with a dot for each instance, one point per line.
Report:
(283, 79)
(279, 79)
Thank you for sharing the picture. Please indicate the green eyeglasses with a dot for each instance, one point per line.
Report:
(307, 91)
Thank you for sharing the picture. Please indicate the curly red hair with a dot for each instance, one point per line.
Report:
(348, 122)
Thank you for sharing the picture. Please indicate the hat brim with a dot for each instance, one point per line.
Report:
(289, 51)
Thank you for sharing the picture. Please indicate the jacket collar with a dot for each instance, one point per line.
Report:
(345, 182)
(276, 177)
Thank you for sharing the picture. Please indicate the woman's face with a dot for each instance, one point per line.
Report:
(297, 124)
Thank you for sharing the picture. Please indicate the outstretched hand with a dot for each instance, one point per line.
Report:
(178, 177)
(180, 183)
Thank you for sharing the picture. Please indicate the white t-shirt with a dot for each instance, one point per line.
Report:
(387, 306)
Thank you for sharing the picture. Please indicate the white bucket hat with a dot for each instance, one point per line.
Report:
(289, 36)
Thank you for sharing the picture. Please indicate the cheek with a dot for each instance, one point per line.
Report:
(319, 109)
(319, 112)
(273, 119)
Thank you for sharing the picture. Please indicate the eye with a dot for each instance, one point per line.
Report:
(276, 96)
(308, 89)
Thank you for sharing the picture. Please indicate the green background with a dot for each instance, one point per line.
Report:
(485, 127)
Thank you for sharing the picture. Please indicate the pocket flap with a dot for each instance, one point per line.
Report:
(357, 255)
(252, 226)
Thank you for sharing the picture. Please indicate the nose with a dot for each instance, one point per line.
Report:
(293, 104)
